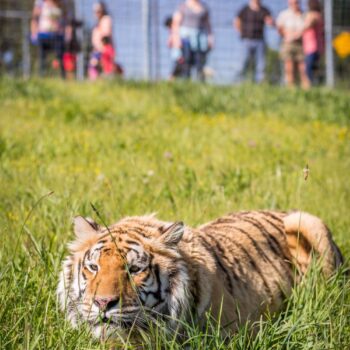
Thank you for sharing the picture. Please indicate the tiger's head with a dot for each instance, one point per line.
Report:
(124, 276)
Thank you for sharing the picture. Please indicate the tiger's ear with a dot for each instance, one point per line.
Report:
(172, 234)
(84, 227)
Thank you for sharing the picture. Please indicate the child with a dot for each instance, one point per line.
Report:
(69, 64)
(176, 53)
(107, 57)
(94, 68)
(72, 48)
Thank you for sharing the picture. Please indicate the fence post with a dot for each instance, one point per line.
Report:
(146, 29)
(328, 14)
(80, 36)
(25, 46)
(157, 52)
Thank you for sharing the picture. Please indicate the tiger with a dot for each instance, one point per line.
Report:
(237, 268)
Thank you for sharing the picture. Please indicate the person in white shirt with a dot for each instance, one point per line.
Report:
(290, 24)
(50, 29)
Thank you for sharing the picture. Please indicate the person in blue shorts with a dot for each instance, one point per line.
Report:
(49, 30)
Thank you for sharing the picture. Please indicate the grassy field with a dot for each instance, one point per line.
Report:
(188, 152)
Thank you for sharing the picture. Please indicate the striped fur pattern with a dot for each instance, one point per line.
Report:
(141, 268)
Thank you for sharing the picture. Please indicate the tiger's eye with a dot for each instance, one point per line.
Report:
(93, 267)
(134, 269)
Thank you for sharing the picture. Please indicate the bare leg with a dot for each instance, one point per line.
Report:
(305, 82)
(289, 72)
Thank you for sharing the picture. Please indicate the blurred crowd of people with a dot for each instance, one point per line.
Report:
(103, 55)
(190, 39)
(53, 30)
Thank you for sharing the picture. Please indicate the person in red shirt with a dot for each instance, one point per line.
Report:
(107, 57)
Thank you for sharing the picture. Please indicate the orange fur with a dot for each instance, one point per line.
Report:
(237, 266)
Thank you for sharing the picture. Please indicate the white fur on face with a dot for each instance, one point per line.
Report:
(158, 293)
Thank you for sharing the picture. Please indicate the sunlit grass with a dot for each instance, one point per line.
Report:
(188, 152)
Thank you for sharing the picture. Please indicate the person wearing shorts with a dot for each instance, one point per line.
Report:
(50, 30)
(290, 24)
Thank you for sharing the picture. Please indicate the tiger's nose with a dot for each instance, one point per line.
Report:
(106, 303)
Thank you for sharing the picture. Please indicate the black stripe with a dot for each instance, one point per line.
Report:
(278, 229)
(253, 242)
(138, 231)
(257, 269)
(266, 257)
(158, 294)
(79, 271)
(273, 243)
(271, 240)
(86, 255)
(272, 215)
(219, 226)
(239, 266)
(102, 241)
(225, 220)
(97, 249)
(253, 264)
(144, 258)
(128, 241)
(70, 274)
(218, 262)
(223, 254)
(135, 251)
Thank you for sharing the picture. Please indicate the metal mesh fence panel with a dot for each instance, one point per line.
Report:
(140, 38)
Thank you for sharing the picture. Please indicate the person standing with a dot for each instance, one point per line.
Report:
(290, 24)
(313, 38)
(191, 31)
(102, 31)
(50, 29)
(250, 23)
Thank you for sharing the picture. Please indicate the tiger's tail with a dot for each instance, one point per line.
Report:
(308, 235)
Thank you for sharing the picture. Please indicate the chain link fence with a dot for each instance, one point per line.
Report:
(141, 39)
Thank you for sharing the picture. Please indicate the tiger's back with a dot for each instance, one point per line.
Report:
(259, 258)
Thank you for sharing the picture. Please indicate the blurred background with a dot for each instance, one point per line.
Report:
(140, 38)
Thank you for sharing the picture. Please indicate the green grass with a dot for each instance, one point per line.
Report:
(188, 152)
